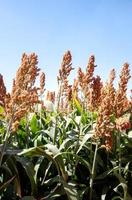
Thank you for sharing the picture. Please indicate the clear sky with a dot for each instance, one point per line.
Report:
(50, 27)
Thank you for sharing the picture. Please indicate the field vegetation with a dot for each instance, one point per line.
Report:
(70, 144)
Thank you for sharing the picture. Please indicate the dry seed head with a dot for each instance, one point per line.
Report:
(75, 85)
(121, 100)
(42, 82)
(90, 69)
(81, 77)
(104, 127)
(67, 58)
(69, 92)
(123, 123)
(2, 91)
(94, 94)
(130, 103)
(62, 78)
(66, 66)
(75, 88)
(24, 95)
(85, 80)
(15, 126)
(27, 72)
(50, 96)
(112, 76)
(108, 89)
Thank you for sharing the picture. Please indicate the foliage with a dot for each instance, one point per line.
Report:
(78, 151)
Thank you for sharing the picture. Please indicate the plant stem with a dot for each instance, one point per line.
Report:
(27, 131)
(56, 119)
(41, 111)
(91, 116)
(5, 141)
(93, 172)
(119, 156)
(59, 96)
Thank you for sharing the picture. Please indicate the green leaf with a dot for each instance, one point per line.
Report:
(6, 169)
(77, 106)
(55, 192)
(34, 124)
(106, 173)
(84, 140)
(1, 110)
(11, 163)
(29, 169)
(70, 191)
(117, 198)
(52, 148)
(37, 151)
(52, 132)
(4, 185)
(77, 158)
(58, 158)
(66, 144)
(28, 198)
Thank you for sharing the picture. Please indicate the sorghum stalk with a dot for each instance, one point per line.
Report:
(93, 172)
(54, 139)
(91, 116)
(64, 72)
(59, 96)
(119, 154)
(27, 131)
(7, 135)
(42, 84)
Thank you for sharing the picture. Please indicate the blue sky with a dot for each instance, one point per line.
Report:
(50, 27)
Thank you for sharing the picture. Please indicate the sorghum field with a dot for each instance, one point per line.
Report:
(71, 144)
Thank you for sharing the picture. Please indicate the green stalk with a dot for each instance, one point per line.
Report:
(93, 172)
(54, 140)
(119, 156)
(40, 113)
(59, 96)
(57, 108)
(5, 141)
(91, 117)
(27, 130)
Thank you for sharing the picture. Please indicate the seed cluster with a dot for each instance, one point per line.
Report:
(42, 82)
(65, 90)
(50, 96)
(111, 104)
(121, 100)
(24, 94)
(2, 91)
